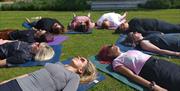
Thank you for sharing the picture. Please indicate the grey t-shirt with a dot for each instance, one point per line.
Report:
(54, 77)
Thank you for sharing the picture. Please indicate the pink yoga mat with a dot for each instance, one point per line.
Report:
(58, 40)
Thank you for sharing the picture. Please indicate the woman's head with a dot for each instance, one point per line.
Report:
(82, 27)
(42, 51)
(108, 53)
(105, 24)
(85, 69)
(58, 28)
(122, 27)
(40, 33)
(133, 38)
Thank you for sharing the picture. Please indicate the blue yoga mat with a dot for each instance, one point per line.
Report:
(26, 25)
(124, 48)
(86, 86)
(57, 49)
(108, 69)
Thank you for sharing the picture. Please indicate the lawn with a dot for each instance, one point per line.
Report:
(85, 45)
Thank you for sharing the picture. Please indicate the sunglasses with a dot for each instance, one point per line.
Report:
(86, 66)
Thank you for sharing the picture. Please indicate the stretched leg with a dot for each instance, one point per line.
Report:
(164, 73)
(10, 86)
(168, 27)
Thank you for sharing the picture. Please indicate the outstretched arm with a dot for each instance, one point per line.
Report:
(5, 41)
(124, 15)
(13, 78)
(125, 71)
(146, 45)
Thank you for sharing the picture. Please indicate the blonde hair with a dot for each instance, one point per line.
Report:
(44, 53)
(89, 73)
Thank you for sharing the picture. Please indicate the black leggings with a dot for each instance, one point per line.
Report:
(10, 86)
(164, 73)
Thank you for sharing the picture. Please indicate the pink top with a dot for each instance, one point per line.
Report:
(132, 59)
(79, 19)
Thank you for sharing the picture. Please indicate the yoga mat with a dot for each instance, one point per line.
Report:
(108, 69)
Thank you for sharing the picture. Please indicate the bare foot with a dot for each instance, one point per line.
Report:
(27, 19)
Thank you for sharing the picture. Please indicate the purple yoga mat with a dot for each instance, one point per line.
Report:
(58, 39)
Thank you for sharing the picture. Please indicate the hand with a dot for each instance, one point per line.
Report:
(27, 19)
(125, 13)
(177, 53)
(162, 33)
(158, 88)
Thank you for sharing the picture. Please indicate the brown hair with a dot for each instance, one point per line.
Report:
(59, 30)
(104, 54)
(130, 39)
(105, 24)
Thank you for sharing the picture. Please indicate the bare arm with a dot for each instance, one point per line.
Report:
(5, 41)
(124, 15)
(14, 78)
(125, 71)
(2, 62)
(146, 45)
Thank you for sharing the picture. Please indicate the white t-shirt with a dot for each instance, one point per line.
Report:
(114, 18)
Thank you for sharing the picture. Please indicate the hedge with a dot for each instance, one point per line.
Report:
(161, 4)
(48, 5)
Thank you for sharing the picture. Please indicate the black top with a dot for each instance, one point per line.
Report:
(26, 36)
(46, 24)
(16, 52)
(149, 26)
(166, 41)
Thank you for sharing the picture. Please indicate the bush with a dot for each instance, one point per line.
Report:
(175, 3)
(17, 6)
(157, 4)
(48, 5)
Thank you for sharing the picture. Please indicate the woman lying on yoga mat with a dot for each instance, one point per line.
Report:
(148, 26)
(18, 52)
(50, 25)
(54, 77)
(111, 20)
(81, 23)
(155, 74)
(168, 44)
(29, 36)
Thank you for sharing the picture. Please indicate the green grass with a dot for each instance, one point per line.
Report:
(85, 45)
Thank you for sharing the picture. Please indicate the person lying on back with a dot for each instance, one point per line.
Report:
(148, 26)
(19, 52)
(29, 36)
(81, 23)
